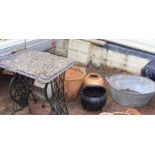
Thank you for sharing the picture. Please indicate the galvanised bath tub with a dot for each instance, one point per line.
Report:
(131, 91)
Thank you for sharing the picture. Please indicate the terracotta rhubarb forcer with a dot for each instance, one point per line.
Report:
(93, 79)
(73, 82)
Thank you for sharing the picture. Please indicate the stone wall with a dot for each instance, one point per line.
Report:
(80, 51)
(86, 51)
(131, 63)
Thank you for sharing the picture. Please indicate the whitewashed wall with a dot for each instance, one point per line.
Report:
(85, 51)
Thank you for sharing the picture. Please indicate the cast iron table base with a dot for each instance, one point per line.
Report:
(21, 92)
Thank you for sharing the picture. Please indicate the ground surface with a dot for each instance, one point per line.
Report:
(75, 108)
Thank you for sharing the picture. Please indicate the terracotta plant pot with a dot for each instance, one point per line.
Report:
(132, 112)
(73, 82)
(93, 79)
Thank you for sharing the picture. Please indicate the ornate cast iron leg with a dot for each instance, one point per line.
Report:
(58, 106)
(20, 92)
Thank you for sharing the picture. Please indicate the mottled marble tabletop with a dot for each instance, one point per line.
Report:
(35, 64)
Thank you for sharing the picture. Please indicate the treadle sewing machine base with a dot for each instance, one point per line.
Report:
(22, 84)
(21, 92)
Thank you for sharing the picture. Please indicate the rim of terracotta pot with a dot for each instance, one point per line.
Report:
(78, 68)
(132, 112)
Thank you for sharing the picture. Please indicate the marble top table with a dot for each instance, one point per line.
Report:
(41, 66)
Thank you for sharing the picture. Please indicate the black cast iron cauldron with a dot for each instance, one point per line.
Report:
(93, 98)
